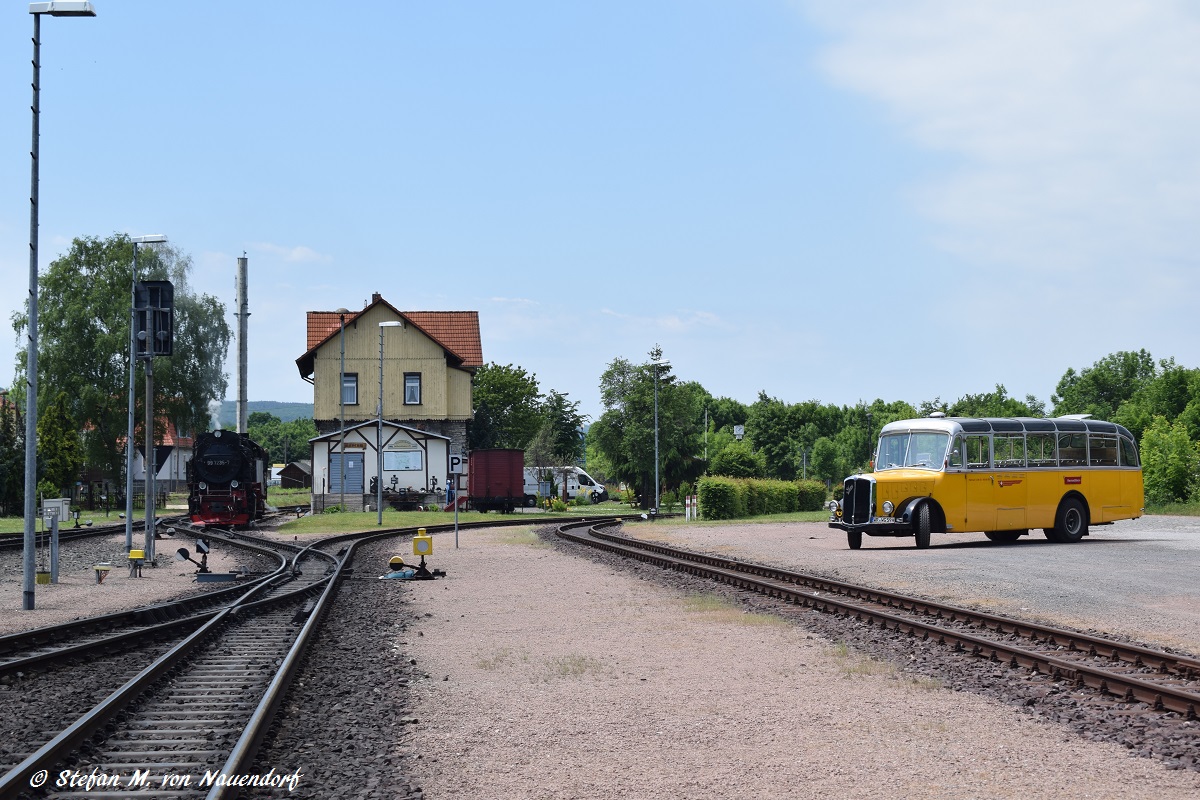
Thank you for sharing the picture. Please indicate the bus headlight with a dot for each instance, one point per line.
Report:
(887, 508)
(833, 506)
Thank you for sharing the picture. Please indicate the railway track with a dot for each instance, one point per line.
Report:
(189, 722)
(1129, 673)
(197, 712)
(88, 637)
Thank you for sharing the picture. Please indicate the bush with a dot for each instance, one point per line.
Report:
(558, 505)
(810, 495)
(731, 498)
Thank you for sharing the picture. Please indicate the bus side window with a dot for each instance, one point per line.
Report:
(1041, 449)
(956, 453)
(1129, 457)
(979, 454)
(1072, 450)
(1103, 451)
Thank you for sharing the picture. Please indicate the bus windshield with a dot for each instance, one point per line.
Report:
(912, 449)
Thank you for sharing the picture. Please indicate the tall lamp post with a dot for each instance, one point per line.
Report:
(379, 426)
(56, 9)
(153, 238)
(657, 366)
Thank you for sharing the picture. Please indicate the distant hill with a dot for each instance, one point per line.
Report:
(285, 411)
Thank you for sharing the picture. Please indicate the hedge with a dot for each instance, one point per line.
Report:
(732, 498)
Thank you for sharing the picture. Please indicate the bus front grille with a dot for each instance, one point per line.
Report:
(857, 500)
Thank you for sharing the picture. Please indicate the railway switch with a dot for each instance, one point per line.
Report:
(136, 559)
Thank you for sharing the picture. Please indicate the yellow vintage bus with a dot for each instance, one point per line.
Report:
(1000, 477)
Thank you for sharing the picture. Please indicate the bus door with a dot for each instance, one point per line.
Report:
(1105, 490)
(1011, 489)
(981, 507)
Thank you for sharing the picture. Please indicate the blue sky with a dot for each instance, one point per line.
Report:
(820, 200)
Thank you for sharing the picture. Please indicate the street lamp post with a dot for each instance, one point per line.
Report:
(153, 238)
(56, 9)
(379, 426)
(657, 365)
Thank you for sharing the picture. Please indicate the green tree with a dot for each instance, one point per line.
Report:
(83, 330)
(12, 459)
(1170, 462)
(1174, 393)
(624, 434)
(565, 425)
(997, 404)
(1100, 390)
(59, 448)
(508, 408)
(283, 441)
(772, 430)
(823, 463)
(738, 461)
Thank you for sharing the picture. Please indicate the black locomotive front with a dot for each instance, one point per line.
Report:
(226, 479)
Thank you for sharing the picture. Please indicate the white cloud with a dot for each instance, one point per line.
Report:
(296, 254)
(1069, 127)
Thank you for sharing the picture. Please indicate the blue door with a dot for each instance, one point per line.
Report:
(349, 464)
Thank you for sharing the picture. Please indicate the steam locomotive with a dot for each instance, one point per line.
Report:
(227, 480)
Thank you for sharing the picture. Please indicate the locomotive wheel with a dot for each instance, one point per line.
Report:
(854, 539)
(922, 531)
(1005, 537)
(1070, 525)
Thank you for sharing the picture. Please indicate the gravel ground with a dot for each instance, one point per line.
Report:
(558, 676)
(537, 670)
(78, 595)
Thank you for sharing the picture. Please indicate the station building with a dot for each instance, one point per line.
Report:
(425, 362)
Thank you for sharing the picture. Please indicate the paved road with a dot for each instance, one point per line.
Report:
(1139, 578)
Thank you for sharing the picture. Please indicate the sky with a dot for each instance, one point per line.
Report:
(834, 201)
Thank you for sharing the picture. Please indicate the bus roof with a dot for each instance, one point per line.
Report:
(954, 425)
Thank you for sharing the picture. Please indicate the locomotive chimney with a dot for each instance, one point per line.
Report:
(243, 317)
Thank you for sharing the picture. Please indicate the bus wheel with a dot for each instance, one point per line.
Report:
(922, 532)
(1005, 537)
(1071, 523)
(854, 539)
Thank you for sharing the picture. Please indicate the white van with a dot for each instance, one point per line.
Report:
(578, 482)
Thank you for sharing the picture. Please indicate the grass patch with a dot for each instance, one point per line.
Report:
(718, 609)
(853, 665)
(769, 519)
(501, 658)
(1174, 509)
(574, 666)
(277, 496)
(520, 536)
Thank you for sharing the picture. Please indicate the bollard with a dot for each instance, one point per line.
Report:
(101, 571)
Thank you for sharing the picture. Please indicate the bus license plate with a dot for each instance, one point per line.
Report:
(884, 520)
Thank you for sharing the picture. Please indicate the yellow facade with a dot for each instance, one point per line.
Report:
(445, 390)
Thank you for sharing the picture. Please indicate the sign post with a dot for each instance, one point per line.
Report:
(456, 469)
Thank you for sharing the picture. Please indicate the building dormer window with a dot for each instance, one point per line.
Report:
(412, 388)
(350, 388)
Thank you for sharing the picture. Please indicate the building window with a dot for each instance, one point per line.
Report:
(350, 388)
(412, 388)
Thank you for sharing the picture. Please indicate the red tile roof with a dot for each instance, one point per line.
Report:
(456, 331)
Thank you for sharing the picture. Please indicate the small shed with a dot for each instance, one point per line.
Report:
(296, 475)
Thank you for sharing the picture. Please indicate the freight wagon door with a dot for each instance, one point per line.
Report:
(353, 470)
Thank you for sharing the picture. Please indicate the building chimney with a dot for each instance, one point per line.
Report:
(376, 297)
